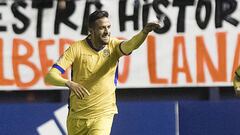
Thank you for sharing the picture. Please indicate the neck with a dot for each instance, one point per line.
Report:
(95, 45)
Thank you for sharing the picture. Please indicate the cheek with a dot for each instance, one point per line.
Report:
(95, 33)
(100, 33)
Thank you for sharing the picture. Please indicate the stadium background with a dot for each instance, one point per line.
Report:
(169, 86)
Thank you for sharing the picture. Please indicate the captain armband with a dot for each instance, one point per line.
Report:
(59, 68)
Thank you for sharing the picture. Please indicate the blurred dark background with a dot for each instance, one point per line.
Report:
(164, 94)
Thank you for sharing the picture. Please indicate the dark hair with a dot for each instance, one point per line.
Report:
(96, 15)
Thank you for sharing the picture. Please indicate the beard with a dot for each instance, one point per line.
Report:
(105, 39)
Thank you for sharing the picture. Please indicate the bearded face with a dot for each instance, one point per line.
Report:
(100, 32)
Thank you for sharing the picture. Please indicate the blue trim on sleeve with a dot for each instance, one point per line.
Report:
(69, 105)
(59, 68)
(116, 76)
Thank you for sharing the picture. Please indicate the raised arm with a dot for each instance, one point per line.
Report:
(133, 43)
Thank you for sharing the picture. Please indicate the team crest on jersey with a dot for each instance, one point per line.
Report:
(106, 52)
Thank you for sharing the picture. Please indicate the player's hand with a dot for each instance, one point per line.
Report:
(78, 89)
(151, 26)
(236, 84)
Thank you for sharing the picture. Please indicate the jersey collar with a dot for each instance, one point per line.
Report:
(91, 45)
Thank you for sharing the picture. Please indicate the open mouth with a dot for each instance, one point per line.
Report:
(105, 37)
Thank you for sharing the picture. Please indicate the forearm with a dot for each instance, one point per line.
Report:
(132, 44)
(54, 78)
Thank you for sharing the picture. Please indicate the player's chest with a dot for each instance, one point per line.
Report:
(93, 60)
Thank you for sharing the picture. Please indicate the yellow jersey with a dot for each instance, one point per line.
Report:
(97, 72)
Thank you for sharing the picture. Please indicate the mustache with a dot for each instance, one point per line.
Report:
(108, 34)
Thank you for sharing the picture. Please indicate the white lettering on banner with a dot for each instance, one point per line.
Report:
(195, 47)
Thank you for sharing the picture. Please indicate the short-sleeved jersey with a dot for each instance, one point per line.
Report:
(95, 70)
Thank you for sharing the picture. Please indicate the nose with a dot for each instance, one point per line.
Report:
(106, 31)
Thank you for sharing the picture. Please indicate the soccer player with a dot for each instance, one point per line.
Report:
(94, 61)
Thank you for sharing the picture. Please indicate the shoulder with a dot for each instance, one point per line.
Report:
(75, 48)
(78, 43)
(115, 41)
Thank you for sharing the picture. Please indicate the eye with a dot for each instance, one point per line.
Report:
(101, 28)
